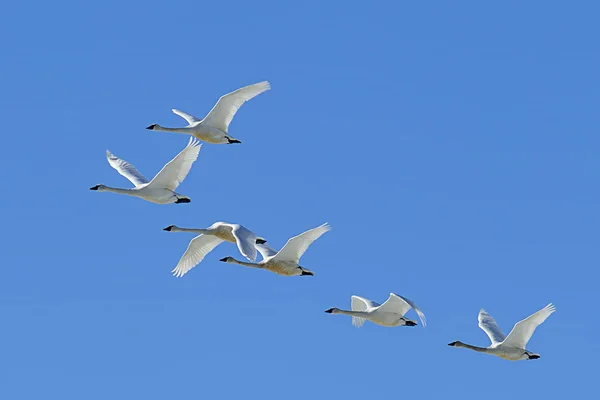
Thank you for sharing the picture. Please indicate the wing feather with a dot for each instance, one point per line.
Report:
(490, 327)
(126, 169)
(198, 248)
(222, 113)
(296, 246)
(522, 331)
(177, 169)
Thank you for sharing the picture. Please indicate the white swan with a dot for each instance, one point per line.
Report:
(214, 127)
(285, 261)
(210, 238)
(161, 189)
(511, 347)
(389, 314)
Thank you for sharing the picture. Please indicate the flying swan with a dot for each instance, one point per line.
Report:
(210, 238)
(389, 314)
(285, 261)
(214, 127)
(511, 347)
(161, 189)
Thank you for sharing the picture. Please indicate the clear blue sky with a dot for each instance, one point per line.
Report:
(452, 146)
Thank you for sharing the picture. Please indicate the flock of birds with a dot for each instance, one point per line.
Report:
(214, 129)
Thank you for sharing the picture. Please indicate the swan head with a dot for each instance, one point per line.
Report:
(333, 311)
(456, 344)
(227, 259)
(260, 241)
(99, 188)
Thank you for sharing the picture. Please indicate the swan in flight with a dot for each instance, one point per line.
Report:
(210, 238)
(214, 127)
(511, 347)
(161, 189)
(389, 314)
(285, 261)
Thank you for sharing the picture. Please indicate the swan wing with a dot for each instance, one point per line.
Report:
(265, 250)
(177, 169)
(296, 246)
(490, 327)
(198, 248)
(126, 169)
(188, 117)
(400, 305)
(361, 304)
(522, 331)
(222, 113)
(246, 241)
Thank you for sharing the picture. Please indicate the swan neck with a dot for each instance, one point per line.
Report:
(474, 348)
(245, 263)
(129, 192)
(198, 231)
(360, 314)
(176, 130)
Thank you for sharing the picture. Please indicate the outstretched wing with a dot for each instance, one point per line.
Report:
(177, 169)
(198, 248)
(265, 250)
(246, 241)
(522, 331)
(490, 327)
(126, 169)
(222, 113)
(361, 304)
(188, 117)
(296, 246)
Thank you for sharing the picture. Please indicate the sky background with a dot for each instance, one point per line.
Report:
(453, 147)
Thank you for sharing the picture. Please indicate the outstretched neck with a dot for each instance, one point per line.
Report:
(232, 260)
(178, 229)
(474, 348)
(360, 314)
(157, 127)
(130, 192)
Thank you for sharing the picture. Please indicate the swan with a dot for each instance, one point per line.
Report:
(161, 189)
(210, 238)
(285, 261)
(214, 127)
(511, 347)
(389, 314)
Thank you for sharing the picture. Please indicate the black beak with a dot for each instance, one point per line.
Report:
(411, 323)
(151, 127)
(183, 200)
(533, 357)
(95, 187)
(307, 273)
(329, 311)
(261, 241)
(223, 259)
(168, 228)
(452, 344)
(232, 141)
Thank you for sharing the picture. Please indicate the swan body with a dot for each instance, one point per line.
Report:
(214, 127)
(511, 347)
(389, 314)
(161, 189)
(210, 238)
(285, 261)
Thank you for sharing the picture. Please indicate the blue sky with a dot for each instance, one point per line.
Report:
(453, 147)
